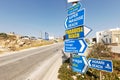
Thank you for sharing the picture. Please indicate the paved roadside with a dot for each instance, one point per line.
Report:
(52, 73)
(48, 70)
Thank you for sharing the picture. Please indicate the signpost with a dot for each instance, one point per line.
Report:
(75, 46)
(75, 43)
(75, 20)
(75, 33)
(79, 64)
(105, 65)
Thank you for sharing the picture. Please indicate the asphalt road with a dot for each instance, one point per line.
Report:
(21, 65)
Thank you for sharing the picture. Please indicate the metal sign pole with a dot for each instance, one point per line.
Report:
(70, 60)
(100, 75)
(73, 3)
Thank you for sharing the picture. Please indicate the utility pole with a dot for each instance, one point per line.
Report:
(41, 34)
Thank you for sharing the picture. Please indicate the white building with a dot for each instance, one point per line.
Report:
(108, 36)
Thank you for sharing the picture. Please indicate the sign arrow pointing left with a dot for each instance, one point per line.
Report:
(75, 20)
(105, 65)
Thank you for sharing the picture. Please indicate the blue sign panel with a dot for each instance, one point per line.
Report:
(75, 20)
(75, 46)
(79, 64)
(105, 65)
(74, 8)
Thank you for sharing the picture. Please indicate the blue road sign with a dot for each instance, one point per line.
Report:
(75, 46)
(75, 20)
(105, 65)
(79, 64)
(74, 8)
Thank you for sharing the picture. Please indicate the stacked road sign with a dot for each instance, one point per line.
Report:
(75, 43)
(75, 30)
(75, 33)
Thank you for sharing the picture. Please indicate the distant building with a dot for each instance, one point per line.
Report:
(33, 38)
(11, 33)
(46, 36)
(109, 36)
(51, 37)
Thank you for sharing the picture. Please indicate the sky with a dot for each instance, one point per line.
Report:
(33, 17)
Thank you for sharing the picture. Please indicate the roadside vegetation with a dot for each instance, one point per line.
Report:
(100, 51)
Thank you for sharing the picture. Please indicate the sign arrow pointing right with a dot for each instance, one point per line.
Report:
(79, 64)
(86, 65)
(75, 46)
(86, 31)
(82, 45)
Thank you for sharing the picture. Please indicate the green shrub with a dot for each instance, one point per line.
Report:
(3, 35)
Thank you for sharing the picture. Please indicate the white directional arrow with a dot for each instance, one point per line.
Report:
(96, 64)
(87, 30)
(86, 65)
(82, 45)
(89, 62)
(66, 23)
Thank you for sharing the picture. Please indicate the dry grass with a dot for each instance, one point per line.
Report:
(12, 43)
(35, 44)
